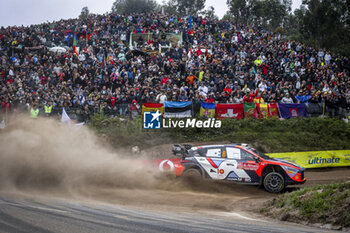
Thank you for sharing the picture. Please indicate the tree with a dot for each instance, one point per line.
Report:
(326, 24)
(134, 6)
(228, 16)
(185, 7)
(267, 13)
(210, 13)
(239, 9)
(84, 13)
(170, 7)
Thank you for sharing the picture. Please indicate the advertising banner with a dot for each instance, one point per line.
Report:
(316, 159)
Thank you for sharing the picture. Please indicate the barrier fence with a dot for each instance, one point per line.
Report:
(245, 110)
(194, 109)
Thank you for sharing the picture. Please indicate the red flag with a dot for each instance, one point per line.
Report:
(273, 112)
(229, 111)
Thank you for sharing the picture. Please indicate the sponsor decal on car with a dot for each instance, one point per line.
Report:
(244, 179)
(248, 166)
(166, 165)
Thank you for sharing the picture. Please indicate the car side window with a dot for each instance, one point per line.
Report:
(201, 152)
(214, 152)
(247, 156)
(233, 153)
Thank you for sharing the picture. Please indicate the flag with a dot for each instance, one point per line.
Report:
(177, 109)
(229, 111)
(66, 119)
(292, 110)
(207, 110)
(273, 111)
(263, 110)
(190, 22)
(250, 110)
(69, 36)
(75, 45)
(152, 107)
(267, 110)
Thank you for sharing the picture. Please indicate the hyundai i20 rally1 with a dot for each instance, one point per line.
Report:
(239, 163)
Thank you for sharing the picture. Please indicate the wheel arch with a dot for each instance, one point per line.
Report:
(197, 167)
(272, 168)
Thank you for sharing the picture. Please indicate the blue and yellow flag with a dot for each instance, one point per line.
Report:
(207, 110)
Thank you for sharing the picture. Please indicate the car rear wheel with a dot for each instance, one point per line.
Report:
(274, 182)
(192, 175)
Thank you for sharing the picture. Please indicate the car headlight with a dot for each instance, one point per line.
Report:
(290, 170)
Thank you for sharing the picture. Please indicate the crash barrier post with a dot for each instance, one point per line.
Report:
(316, 159)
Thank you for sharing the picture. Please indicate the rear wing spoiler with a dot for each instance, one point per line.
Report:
(181, 150)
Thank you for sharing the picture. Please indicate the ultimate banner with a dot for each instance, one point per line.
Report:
(316, 159)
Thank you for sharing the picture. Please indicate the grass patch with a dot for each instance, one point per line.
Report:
(267, 135)
(324, 204)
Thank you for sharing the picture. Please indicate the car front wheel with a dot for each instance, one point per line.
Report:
(274, 182)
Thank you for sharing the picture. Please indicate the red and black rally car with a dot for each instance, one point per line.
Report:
(236, 162)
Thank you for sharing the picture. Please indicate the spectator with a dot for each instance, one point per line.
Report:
(106, 76)
(34, 111)
(287, 99)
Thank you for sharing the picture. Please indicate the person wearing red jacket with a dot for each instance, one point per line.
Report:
(249, 97)
(134, 109)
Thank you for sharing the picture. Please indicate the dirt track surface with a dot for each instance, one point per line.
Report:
(326, 176)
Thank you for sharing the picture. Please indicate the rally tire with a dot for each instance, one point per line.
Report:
(192, 174)
(274, 182)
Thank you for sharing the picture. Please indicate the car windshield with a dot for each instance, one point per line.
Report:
(262, 155)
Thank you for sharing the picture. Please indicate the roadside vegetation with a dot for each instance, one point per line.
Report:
(267, 135)
(327, 206)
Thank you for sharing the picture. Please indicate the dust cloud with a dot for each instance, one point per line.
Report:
(46, 154)
(47, 158)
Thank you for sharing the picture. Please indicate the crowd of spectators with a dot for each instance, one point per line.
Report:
(217, 61)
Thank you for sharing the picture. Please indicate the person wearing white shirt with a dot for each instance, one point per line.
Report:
(287, 99)
(327, 58)
(262, 86)
(320, 55)
(203, 90)
(161, 98)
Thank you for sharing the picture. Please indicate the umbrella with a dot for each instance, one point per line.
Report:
(58, 50)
